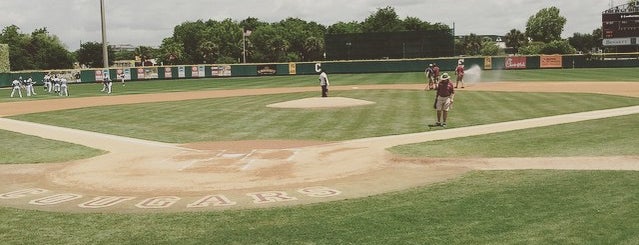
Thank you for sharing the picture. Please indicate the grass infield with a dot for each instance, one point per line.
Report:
(483, 207)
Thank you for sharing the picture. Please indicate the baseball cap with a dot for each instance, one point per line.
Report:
(445, 76)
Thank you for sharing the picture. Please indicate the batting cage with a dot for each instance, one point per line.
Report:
(390, 45)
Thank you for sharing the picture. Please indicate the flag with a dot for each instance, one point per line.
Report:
(247, 33)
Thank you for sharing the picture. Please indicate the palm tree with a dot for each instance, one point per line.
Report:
(515, 39)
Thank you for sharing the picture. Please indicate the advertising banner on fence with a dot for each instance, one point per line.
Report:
(550, 61)
(168, 74)
(140, 73)
(221, 71)
(515, 62)
(488, 63)
(197, 71)
(181, 72)
(266, 70)
(292, 68)
(150, 72)
(100, 74)
(126, 72)
(202, 71)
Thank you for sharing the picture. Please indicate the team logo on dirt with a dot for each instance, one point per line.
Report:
(43, 197)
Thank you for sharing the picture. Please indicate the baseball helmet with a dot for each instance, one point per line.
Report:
(445, 76)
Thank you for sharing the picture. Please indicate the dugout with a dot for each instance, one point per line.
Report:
(390, 45)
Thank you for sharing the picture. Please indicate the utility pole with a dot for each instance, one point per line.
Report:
(105, 53)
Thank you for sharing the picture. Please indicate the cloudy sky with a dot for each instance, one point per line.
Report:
(147, 22)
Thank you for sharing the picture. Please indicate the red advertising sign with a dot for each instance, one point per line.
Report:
(515, 62)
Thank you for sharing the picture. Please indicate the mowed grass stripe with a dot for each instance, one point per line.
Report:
(18, 148)
(248, 118)
(601, 137)
(158, 86)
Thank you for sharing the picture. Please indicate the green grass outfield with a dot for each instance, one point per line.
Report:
(155, 86)
(482, 207)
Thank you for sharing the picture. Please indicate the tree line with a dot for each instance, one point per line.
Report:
(289, 40)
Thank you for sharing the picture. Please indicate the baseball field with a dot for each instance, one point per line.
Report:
(529, 156)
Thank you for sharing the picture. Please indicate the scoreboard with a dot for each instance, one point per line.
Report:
(620, 25)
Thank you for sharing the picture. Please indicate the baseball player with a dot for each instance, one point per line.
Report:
(444, 99)
(64, 88)
(16, 87)
(122, 78)
(107, 84)
(459, 72)
(56, 84)
(436, 74)
(29, 86)
(430, 77)
(323, 79)
(47, 83)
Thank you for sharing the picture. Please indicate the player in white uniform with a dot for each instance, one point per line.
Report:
(16, 87)
(29, 86)
(64, 88)
(47, 82)
(107, 84)
(52, 82)
(56, 84)
(122, 77)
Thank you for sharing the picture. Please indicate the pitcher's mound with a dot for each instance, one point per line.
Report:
(321, 102)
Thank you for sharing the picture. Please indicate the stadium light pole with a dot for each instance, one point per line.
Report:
(244, 46)
(105, 53)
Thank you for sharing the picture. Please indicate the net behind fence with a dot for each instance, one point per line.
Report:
(390, 45)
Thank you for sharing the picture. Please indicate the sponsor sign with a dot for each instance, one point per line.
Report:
(488, 63)
(181, 72)
(515, 62)
(292, 68)
(266, 70)
(100, 74)
(550, 61)
(620, 41)
(221, 71)
(197, 71)
(140, 73)
(150, 72)
(168, 74)
(126, 72)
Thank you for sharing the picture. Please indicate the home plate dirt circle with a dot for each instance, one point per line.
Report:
(146, 176)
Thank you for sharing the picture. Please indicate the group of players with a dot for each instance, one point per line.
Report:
(433, 77)
(52, 84)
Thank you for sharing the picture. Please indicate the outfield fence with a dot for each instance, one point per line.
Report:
(308, 68)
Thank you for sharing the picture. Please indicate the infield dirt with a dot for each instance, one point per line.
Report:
(141, 176)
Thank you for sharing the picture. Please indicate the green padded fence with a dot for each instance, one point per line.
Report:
(308, 68)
